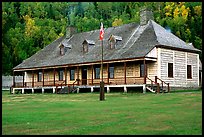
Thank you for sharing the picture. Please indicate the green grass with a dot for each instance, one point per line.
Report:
(120, 113)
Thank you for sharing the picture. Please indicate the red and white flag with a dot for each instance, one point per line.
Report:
(101, 32)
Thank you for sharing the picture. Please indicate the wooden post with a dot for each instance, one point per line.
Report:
(158, 88)
(78, 75)
(32, 79)
(92, 75)
(65, 71)
(54, 77)
(23, 79)
(155, 79)
(107, 73)
(125, 72)
(168, 87)
(43, 77)
(14, 83)
(102, 96)
(145, 73)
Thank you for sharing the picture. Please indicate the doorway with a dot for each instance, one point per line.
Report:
(84, 76)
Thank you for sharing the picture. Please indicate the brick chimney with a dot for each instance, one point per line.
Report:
(70, 31)
(145, 15)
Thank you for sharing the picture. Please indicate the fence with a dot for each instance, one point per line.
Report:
(7, 81)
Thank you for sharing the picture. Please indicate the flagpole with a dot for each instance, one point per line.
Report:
(102, 83)
(102, 60)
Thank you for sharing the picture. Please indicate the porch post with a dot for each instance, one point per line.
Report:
(77, 75)
(32, 79)
(155, 79)
(107, 73)
(43, 77)
(145, 73)
(23, 79)
(125, 71)
(168, 87)
(54, 77)
(65, 71)
(92, 75)
(14, 79)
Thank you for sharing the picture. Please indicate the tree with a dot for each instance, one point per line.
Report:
(117, 22)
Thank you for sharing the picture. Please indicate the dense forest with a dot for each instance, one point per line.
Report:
(29, 26)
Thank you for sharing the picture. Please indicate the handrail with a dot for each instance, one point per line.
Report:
(59, 85)
(75, 82)
(152, 83)
(163, 82)
(151, 80)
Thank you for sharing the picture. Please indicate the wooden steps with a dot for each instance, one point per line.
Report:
(153, 89)
(150, 89)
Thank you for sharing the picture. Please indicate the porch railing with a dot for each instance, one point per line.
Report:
(108, 81)
(39, 84)
(113, 81)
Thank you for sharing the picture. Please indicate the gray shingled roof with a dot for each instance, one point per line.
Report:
(136, 42)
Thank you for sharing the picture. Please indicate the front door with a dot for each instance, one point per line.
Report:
(84, 76)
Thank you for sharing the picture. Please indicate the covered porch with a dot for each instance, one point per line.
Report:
(137, 72)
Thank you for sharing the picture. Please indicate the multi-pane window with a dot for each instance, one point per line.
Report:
(112, 44)
(72, 74)
(39, 76)
(62, 51)
(97, 72)
(114, 41)
(170, 70)
(189, 72)
(141, 70)
(61, 72)
(111, 72)
(85, 47)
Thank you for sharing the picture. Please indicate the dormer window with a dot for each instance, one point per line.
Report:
(113, 41)
(86, 44)
(63, 48)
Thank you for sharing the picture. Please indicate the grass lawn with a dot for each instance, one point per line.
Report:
(120, 113)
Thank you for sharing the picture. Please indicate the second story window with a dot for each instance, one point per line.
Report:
(62, 49)
(113, 41)
(85, 47)
(86, 44)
